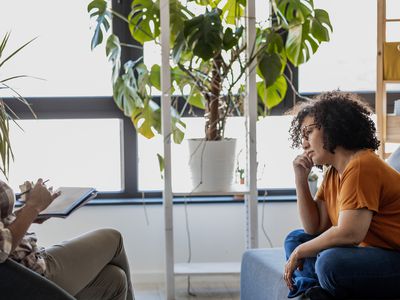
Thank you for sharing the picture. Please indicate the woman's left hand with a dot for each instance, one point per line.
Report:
(293, 263)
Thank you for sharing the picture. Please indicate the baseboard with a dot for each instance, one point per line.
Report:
(159, 278)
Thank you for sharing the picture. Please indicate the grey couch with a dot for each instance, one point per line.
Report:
(261, 276)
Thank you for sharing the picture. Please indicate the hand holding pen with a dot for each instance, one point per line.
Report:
(28, 189)
(40, 196)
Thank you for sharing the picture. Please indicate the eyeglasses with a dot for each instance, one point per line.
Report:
(307, 130)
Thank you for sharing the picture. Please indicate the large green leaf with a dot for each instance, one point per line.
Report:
(178, 15)
(274, 41)
(113, 52)
(179, 47)
(98, 9)
(182, 80)
(144, 20)
(270, 67)
(147, 120)
(307, 28)
(130, 88)
(177, 128)
(274, 94)
(230, 38)
(319, 24)
(203, 34)
(300, 43)
(196, 99)
(155, 76)
(233, 10)
(295, 10)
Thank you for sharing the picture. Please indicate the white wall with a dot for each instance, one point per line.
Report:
(217, 231)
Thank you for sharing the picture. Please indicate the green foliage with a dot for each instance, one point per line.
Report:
(203, 34)
(144, 20)
(307, 28)
(208, 53)
(6, 114)
(98, 10)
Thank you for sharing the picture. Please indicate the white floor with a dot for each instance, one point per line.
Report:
(201, 288)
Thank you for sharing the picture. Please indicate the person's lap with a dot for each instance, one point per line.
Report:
(348, 272)
(359, 272)
(76, 263)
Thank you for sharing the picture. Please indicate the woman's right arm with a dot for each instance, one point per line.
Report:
(38, 199)
(313, 214)
(25, 217)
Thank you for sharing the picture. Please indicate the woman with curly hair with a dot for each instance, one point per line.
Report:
(350, 245)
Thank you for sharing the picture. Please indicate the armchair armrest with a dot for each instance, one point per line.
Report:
(18, 282)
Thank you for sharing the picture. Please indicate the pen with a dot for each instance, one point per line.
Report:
(27, 191)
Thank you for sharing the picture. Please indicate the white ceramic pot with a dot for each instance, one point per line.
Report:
(212, 164)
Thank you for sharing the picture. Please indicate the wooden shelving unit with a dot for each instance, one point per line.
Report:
(388, 126)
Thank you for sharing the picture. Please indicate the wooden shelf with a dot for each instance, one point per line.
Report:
(393, 129)
(391, 81)
(387, 125)
(217, 268)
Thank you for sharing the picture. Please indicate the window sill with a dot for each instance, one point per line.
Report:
(197, 200)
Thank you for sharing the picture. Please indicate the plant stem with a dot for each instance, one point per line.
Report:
(212, 131)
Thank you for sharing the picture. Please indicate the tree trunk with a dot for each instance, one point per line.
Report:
(213, 130)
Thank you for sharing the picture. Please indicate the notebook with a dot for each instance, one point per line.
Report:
(71, 199)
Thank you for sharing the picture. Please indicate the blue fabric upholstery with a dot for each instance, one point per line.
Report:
(20, 283)
(394, 160)
(261, 276)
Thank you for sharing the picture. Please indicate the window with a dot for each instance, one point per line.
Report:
(348, 61)
(60, 56)
(76, 111)
(69, 152)
(76, 139)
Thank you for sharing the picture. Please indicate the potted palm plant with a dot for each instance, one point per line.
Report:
(208, 59)
(6, 113)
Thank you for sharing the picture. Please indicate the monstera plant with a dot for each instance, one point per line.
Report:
(208, 57)
(208, 68)
(6, 113)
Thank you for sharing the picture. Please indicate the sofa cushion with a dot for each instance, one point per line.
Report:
(394, 160)
(261, 276)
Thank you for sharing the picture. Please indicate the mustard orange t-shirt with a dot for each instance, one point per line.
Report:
(367, 182)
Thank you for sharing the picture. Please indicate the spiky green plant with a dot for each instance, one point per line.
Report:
(6, 113)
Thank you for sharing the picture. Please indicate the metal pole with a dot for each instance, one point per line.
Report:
(166, 130)
(251, 118)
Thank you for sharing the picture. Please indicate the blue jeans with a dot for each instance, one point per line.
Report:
(347, 272)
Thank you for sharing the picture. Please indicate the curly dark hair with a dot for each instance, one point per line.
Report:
(345, 118)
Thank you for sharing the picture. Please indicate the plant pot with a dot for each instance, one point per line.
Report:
(212, 164)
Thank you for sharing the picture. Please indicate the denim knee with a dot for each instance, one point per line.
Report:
(295, 235)
(294, 239)
(328, 267)
(298, 236)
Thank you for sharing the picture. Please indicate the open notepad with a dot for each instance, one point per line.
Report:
(71, 199)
